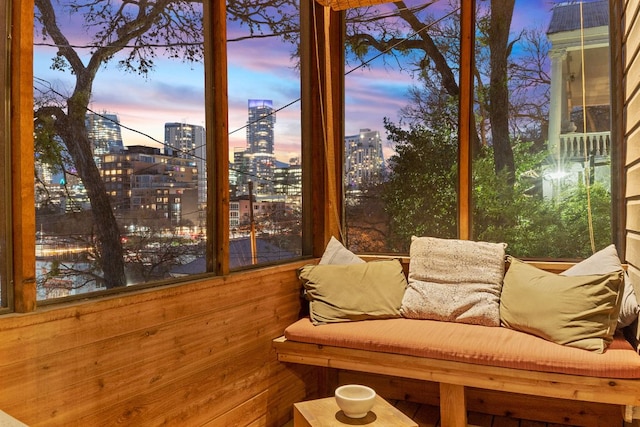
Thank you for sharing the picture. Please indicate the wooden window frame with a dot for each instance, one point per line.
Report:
(22, 242)
(6, 291)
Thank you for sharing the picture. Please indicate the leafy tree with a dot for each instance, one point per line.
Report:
(367, 219)
(420, 195)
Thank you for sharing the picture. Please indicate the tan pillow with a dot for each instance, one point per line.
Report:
(339, 293)
(577, 311)
(336, 253)
(607, 261)
(454, 280)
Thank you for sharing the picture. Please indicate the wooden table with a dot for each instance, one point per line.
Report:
(326, 413)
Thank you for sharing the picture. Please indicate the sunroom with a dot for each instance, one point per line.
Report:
(170, 168)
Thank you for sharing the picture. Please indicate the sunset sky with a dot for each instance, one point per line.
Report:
(258, 69)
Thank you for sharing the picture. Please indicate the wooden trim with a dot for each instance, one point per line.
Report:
(217, 117)
(466, 117)
(308, 132)
(323, 122)
(22, 162)
(6, 291)
(618, 148)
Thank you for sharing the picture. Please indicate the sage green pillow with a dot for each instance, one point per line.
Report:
(347, 292)
(577, 311)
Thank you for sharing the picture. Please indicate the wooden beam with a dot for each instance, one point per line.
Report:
(323, 118)
(465, 147)
(453, 408)
(217, 119)
(22, 162)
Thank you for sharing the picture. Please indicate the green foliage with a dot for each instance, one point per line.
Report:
(420, 199)
(420, 195)
(534, 226)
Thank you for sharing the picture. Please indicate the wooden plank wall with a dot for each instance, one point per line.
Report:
(627, 90)
(194, 354)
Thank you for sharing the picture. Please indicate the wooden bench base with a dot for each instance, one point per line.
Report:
(455, 377)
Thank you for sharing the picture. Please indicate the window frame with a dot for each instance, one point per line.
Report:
(6, 291)
(20, 98)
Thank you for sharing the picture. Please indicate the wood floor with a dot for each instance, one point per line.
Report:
(429, 416)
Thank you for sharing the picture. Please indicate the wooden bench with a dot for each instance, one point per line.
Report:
(454, 376)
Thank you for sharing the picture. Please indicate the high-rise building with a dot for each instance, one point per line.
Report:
(260, 124)
(103, 130)
(142, 178)
(364, 161)
(256, 163)
(187, 141)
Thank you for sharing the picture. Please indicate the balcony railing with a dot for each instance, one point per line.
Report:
(578, 146)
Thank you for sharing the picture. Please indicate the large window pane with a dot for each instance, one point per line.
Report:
(120, 158)
(264, 122)
(542, 180)
(401, 124)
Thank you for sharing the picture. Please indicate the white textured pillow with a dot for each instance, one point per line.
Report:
(603, 262)
(454, 280)
(336, 253)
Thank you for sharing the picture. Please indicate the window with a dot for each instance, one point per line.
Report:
(551, 195)
(264, 138)
(541, 165)
(401, 124)
(146, 109)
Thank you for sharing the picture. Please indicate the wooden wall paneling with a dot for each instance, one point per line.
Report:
(633, 216)
(633, 249)
(22, 160)
(192, 352)
(633, 145)
(634, 275)
(632, 111)
(630, 11)
(633, 72)
(633, 181)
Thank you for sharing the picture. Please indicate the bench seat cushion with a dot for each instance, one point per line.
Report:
(482, 345)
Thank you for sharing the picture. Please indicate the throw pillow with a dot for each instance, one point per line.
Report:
(454, 280)
(607, 261)
(577, 311)
(336, 253)
(339, 293)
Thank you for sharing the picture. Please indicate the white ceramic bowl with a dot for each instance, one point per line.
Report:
(355, 400)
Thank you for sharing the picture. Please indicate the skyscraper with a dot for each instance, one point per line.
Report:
(257, 162)
(260, 126)
(364, 161)
(103, 130)
(188, 141)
